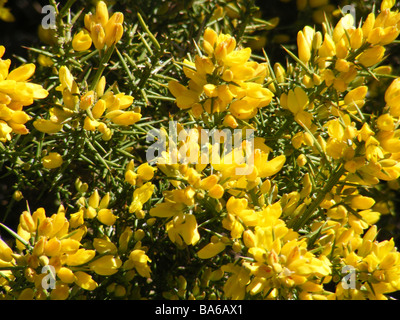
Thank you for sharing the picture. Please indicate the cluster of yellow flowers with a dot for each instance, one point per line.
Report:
(96, 107)
(224, 78)
(15, 94)
(285, 264)
(77, 256)
(100, 29)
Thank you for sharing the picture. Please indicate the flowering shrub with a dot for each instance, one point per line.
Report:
(163, 154)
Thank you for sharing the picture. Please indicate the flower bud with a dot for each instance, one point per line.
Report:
(106, 217)
(101, 13)
(52, 161)
(216, 192)
(356, 39)
(98, 109)
(98, 36)
(304, 49)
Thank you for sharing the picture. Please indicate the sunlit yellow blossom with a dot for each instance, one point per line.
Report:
(241, 97)
(138, 260)
(97, 110)
(101, 29)
(52, 161)
(106, 265)
(210, 250)
(16, 92)
(183, 228)
(81, 41)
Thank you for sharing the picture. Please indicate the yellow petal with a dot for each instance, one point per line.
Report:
(52, 161)
(82, 256)
(81, 41)
(22, 73)
(127, 118)
(106, 217)
(85, 281)
(211, 250)
(47, 126)
(106, 265)
(272, 167)
(362, 202)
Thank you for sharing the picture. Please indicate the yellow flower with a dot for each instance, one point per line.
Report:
(185, 98)
(362, 202)
(241, 91)
(124, 118)
(114, 29)
(15, 93)
(5, 131)
(85, 281)
(267, 168)
(5, 252)
(304, 47)
(392, 96)
(387, 4)
(138, 260)
(235, 286)
(106, 265)
(47, 126)
(106, 217)
(104, 246)
(211, 250)
(80, 257)
(183, 227)
(97, 109)
(66, 275)
(60, 292)
(371, 56)
(145, 171)
(140, 197)
(81, 41)
(124, 238)
(217, 191)
(45, 61)
(103, 29)
(52, 161)
(297, 100)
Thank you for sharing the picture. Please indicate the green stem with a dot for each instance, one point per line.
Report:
(65, 8)
(15, 235)
(147, 30)
(334, 179)
(103, 65)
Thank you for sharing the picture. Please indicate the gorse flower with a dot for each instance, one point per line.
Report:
(100, 29)
(94, 109)
(15, 94)
(222, 81)
(62, 244)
